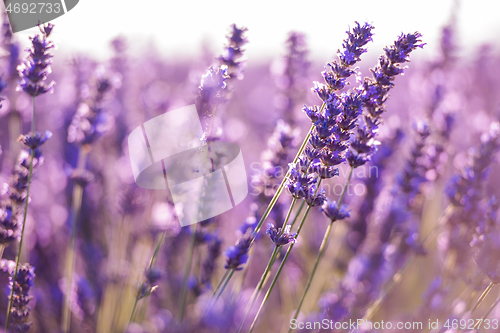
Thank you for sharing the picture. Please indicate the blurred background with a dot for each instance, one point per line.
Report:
(152, 56)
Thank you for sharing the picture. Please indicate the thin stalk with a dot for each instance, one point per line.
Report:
(302, 204)
(282, 185)
(259, 286)
(2, 248)
(299, 210)
(224, 285)
(182, 298)
(282, 264)
(482, 297)
(24, 222)
(478, 322)
(322, 249)
(159, 242)
(267, 271)
(71, 254)
(221, 282)
(278, 272)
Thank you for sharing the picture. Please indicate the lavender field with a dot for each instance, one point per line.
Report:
(372, 187)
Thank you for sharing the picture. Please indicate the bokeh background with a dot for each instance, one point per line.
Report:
(154, 53)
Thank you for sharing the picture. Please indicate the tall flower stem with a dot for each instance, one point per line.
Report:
(282, 185)
(219, 285)
(259, 286)
(267, 271)
(299, 211)
(25, 214)
(322, 248)
(287, 254)
(478, 322)
(159, 242)
(272, 259)
(224, 285)
(482, 297)
(182, 297)
(71, 254)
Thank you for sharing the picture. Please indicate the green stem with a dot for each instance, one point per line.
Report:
(71, 253)
(182, 298)
(478, 322)
(259, 286)
(282, 264)
(24, 222)
(322, 249)
(282, 185)
(225, 284)
(267, 271)
(159, 242)
(482, 297)
(302, 204)
(224, 277)
(278, 272)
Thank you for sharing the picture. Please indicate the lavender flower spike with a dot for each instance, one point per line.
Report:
(374, 92)
(36, 67)
(21, 298)
(234, 52)
(238, 255)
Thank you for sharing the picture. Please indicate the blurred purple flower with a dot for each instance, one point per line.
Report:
(36, 67)
(280, 238)
(20, 310)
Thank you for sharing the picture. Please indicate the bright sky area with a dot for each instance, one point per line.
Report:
(178, 28)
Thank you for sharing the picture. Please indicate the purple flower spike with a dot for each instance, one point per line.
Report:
(238, 255)
(36, 67)
(280, 238)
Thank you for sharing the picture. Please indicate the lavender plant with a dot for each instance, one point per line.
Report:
(133, 253)
(374, 94)
(33, 73)
(89, 123)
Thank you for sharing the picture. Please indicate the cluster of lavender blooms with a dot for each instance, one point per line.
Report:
(90, 121)
(465, 191)
(279, 147)
(20, 298)
(233, 52)
(374, 93)
(367, 264)
(36, 67)
(386, 226)
(14, 196)
(216, 84)
(14, 202)
(12, 48)
(291, 72)
(333, 122)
